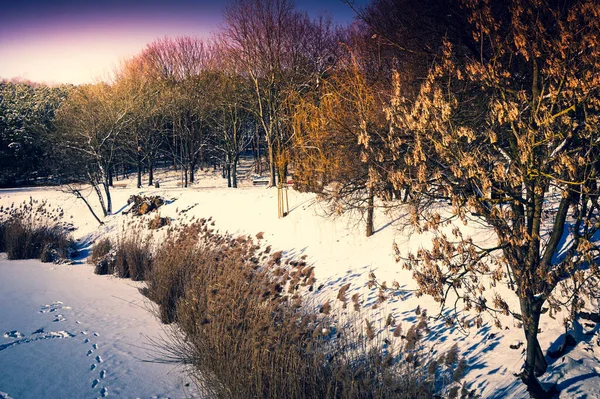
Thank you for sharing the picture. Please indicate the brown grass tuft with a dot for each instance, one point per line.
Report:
(32, 231)
(242, 324)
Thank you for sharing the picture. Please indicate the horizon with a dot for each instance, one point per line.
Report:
(70, 42)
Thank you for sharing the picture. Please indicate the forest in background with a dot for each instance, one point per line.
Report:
(489, 106)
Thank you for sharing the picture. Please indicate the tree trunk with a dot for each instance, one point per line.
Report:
(108, 198)
(535, 362)
(192, 167)
(110, 176)
(100, 197)
(228, 172)
(256, 152)
(150, 171)
(272, 169)
(282, 174)
(78, 195)
(406, 194)
(139, 168)
(370, 217)
(234, 172)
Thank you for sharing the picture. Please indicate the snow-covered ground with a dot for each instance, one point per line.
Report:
(335, 246)
(67, 333)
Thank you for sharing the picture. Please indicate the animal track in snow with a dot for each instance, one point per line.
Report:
(56, 305)
(38, 337)
(13, 334)
(95, 382)
(95, 346)
(93, 367)
(99, 359)
(103, 374)
(90, 352)
(86, 341)
(104, 392)
(59, 318)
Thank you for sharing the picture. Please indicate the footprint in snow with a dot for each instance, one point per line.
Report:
(59, 318)
(96, 334)
(95, 346)
(13, 334)
(86, 341)
(103, 374)
(104, 392)
(92, 367)
(99, 359)
(56, 305)
(95, 382)
(90, 352)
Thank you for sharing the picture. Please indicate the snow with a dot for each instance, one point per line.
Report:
(70, 333)
(335, 246)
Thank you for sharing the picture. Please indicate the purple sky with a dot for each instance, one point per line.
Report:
(67, 41)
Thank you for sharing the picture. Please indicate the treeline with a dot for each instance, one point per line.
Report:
(27, 131)
(489, 106)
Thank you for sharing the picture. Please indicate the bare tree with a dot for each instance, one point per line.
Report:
(267, 36)
(181, 66)
(231, 120)
(90, 123)
(135, 85)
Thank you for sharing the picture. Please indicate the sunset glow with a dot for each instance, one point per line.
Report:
(73, 42)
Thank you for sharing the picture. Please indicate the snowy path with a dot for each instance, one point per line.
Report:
(67, 333)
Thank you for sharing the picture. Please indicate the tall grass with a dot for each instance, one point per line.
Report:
(243, 326)
(240, 320)
(133, 258)
(130, 257)
(31, 231)
(102, 257)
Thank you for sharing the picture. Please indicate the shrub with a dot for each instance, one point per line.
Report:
(103, 257)
(133, 258)
(100, 250)
(242, 325)
(34, 230)
(2, 237)
(24, 240)
(105, 265)
(172, 269)
(158, 222)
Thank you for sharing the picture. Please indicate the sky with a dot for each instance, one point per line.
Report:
(82, 41)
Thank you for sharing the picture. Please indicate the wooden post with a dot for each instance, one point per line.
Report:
(283, 206)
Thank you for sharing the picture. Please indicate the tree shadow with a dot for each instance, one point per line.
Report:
(571, 386)
(389, 223)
